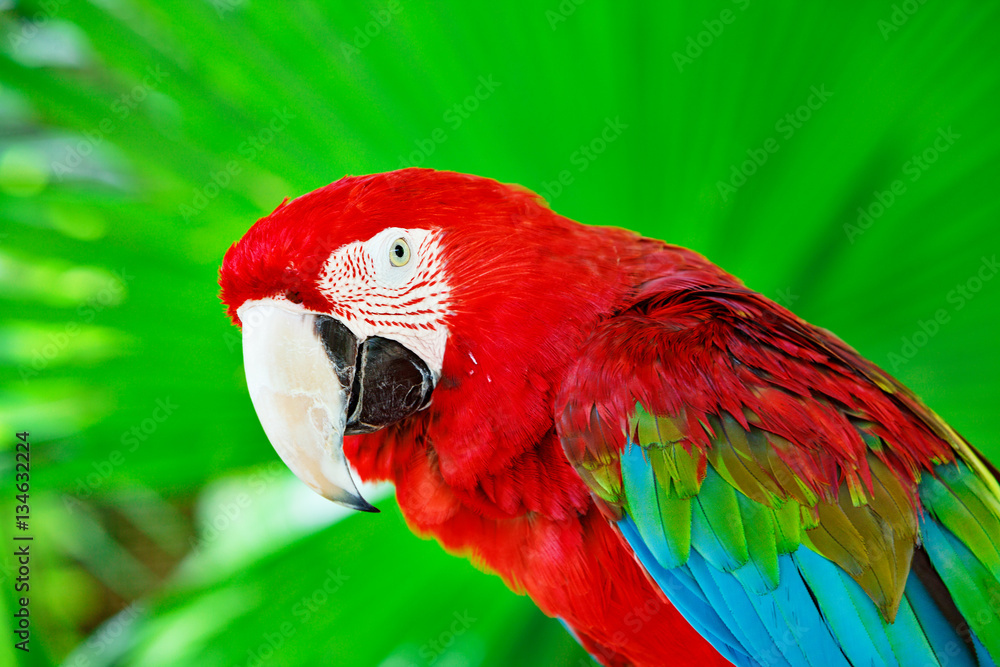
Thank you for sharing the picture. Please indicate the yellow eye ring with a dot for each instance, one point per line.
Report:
(399, 253)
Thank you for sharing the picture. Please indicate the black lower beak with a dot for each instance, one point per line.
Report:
(385, 381)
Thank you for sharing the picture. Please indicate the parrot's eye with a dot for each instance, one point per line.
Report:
(399, 252)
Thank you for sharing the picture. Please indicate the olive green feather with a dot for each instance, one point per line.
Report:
(740, 505)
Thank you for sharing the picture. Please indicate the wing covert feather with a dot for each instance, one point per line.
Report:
(737, 435)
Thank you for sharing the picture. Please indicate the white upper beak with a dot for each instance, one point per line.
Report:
(298, 397)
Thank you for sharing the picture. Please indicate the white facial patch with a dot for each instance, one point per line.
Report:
(376, 293)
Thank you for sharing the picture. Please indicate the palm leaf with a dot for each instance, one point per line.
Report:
(139, 139)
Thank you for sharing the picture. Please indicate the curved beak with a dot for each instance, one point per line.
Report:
(312, 381)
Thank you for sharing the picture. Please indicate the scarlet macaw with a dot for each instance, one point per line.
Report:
(679, 469)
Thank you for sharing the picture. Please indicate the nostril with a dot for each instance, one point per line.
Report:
(293, 296)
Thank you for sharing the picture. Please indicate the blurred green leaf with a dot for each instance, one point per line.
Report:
(841, 160)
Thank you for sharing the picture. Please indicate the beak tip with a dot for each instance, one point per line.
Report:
(360, 504)
(350, 500)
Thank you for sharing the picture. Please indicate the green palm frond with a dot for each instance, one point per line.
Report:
(139, 139)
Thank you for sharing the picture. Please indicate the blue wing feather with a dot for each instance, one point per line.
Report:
(680, 588)
(817, 616)
(730, 598)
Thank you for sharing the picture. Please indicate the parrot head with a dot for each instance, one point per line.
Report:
(358, 300)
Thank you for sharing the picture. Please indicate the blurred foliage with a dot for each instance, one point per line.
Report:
(138, 139)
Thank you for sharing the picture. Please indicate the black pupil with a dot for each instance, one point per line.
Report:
(398, 249)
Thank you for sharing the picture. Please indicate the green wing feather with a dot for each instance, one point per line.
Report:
(964, 547)
(741, 506)
(714, 476)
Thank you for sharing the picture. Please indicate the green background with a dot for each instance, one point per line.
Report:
(138, 139)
